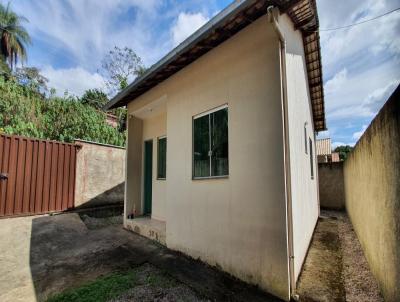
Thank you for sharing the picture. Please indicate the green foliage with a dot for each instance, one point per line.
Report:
(343, 151)
(95, 98)
(31, 77)
(25, 112)
(5, 70)
(13, 36)
(102, 290)
(121, 113)
(119, 67)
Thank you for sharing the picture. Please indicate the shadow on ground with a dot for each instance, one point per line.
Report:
(65, 253)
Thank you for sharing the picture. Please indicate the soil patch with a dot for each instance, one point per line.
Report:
(360, 284)
(321, 278)
(335, 268)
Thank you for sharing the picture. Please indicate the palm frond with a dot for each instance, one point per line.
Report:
(14, 38)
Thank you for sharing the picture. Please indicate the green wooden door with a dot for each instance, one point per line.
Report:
(148, 176)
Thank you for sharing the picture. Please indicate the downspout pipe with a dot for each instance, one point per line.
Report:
(272, 14)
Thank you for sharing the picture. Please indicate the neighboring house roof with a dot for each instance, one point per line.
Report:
(112, 120)
(323, 146)
(228, 22)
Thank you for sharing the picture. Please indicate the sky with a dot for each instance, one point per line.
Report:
(361, 64)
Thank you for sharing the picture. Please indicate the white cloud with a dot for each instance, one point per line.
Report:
(336, 82)
(336, 144)
(376, 37)
(367, 107)
(81, 32)
(186, 25)
(358, 134)
(75, 80)
(375, 100)
(357, 62)
(324, 134)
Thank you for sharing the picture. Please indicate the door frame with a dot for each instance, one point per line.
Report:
(147, 187)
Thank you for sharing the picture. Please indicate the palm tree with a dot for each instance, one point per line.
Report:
(13, 36)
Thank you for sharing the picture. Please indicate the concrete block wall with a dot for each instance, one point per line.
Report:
(372, 194)
(331, 185)
(100, 174)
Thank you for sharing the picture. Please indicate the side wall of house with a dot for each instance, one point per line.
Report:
(239, 222)
(133, 167)
(304, 188)
(153, 128)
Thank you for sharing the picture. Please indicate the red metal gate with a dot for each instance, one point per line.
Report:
(37, 176)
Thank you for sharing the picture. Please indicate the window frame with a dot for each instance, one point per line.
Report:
(202, 114)
(158, 156)
(305, 137)
(312, 161)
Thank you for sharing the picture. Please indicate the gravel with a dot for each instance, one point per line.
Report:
(359, 283)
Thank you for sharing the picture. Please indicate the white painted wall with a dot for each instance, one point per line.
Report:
(238, 223)
(305, 206)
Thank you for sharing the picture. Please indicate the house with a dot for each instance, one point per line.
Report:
(324, 151)
(221, 143)
(112, 120)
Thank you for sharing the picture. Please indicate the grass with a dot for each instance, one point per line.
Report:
(159, 280)
(112, 286)
(101, 290)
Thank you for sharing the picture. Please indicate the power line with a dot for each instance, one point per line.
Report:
(362, 22)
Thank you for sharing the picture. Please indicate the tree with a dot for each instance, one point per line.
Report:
(31, 77)
(343, 151)
(13, 36)
(24, 112)
(5, 70)
(95, 98)
(119, 67)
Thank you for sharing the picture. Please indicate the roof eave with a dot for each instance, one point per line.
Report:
(198, 35)
(240, 13)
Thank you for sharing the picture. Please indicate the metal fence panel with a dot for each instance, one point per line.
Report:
(37, 176)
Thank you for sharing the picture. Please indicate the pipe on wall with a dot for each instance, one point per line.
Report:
(272, 12)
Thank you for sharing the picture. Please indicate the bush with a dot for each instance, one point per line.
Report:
(26, 112)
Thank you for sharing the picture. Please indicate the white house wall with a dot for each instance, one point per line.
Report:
(237, 223)
(304, 189)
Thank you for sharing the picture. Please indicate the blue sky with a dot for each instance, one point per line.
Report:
(361, 65)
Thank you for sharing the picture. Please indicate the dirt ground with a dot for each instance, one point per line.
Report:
(335, 268)
(165, 289)
(44, 255)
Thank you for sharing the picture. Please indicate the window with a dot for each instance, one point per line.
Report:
(210, 144)
(311, 159)
(305, 136)
(162, 158)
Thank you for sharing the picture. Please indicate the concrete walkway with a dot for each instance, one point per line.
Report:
(44, 255)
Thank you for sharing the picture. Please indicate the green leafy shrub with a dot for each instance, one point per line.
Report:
(24, 111)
